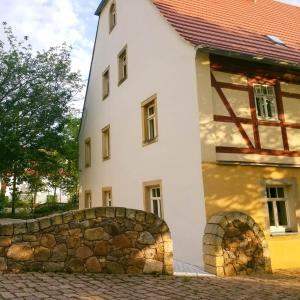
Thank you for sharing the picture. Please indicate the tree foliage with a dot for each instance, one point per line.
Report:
(36, 89)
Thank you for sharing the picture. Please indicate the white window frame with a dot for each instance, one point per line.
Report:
(264, 98)
(155, 198)
(277, 227)
(106, 143)
(105, 84)
(151, 119)
(123, 65)
(87, 199)
(87, 153)
(107, 197)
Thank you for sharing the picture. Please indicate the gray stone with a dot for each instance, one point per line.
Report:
(54, 266)
(146, 238)
(95, 234)
(110, 212)
(20, 228)
(114, 268)
(153, 267)
(75, 265)
(32, 226)
(67, 217)
(59, 253)
(3, 264)
(45, 222)
(41, 254)
(90, 214)
(7, 229)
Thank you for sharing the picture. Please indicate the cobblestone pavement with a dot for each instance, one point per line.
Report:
(282, 285)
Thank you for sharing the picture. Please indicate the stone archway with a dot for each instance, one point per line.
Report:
(235, 245)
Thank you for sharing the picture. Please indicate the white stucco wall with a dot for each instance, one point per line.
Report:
(159, 62)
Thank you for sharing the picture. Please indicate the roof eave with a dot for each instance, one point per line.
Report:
(250, 57)
(101, 7)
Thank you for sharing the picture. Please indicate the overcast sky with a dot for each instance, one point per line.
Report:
(52, 22)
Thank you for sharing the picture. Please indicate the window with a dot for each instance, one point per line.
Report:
(149, 114)
(265, 100)
(107, 197)
(105, 84)
(87, 153)
(277, 202)
(112, 17)
(106, 143)
(123, 65)
(153, 198)
(87, 199)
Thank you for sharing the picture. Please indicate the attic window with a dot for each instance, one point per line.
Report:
(276, 40)
(112, 17)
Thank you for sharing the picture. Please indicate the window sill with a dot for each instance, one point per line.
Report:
(122, 80)
(106, 158)
(274, 234)
(268, 120)
(149, 142)
(87, 166)
(104, 97)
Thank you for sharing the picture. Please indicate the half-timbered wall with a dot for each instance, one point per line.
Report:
(232, 138)
(234, 131)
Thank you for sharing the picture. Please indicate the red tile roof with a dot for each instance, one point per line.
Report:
(237, 25)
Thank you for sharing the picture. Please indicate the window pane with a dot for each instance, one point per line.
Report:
(153, 193)
(280, 192)
(264, 90)
(271, 213)
(151, 129)
(257, 89)
(273, 193)
(151, 111)
(258, 106)
(270, 90)
(158, 192)
(281, 210)
(155, 207)
(270, 108)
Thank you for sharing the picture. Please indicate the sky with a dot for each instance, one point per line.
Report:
(52, 22)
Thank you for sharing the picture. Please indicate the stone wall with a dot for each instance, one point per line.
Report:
(99, 240)
(235, 245)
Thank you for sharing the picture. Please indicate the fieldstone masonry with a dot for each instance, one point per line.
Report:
(96, 240)
(235, 245)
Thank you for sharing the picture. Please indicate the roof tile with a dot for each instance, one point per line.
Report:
(238, 26)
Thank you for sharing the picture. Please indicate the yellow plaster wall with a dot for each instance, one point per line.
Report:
(241, 188)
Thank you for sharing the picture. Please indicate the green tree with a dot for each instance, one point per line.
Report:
(36, 89)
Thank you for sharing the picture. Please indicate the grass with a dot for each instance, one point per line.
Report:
(41, 211)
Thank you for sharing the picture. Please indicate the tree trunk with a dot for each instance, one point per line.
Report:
(54, 194)
(3, 186)
(14, 194)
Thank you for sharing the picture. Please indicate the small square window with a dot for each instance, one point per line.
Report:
(107, 197)
(88, 152)
(149, 114)
(106, 143)
(265, 101)
(105, 84)
(123, 65)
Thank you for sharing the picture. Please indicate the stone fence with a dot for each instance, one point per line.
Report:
(97, 240)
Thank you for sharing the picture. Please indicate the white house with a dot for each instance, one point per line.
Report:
(189, 103)
(160, 82)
